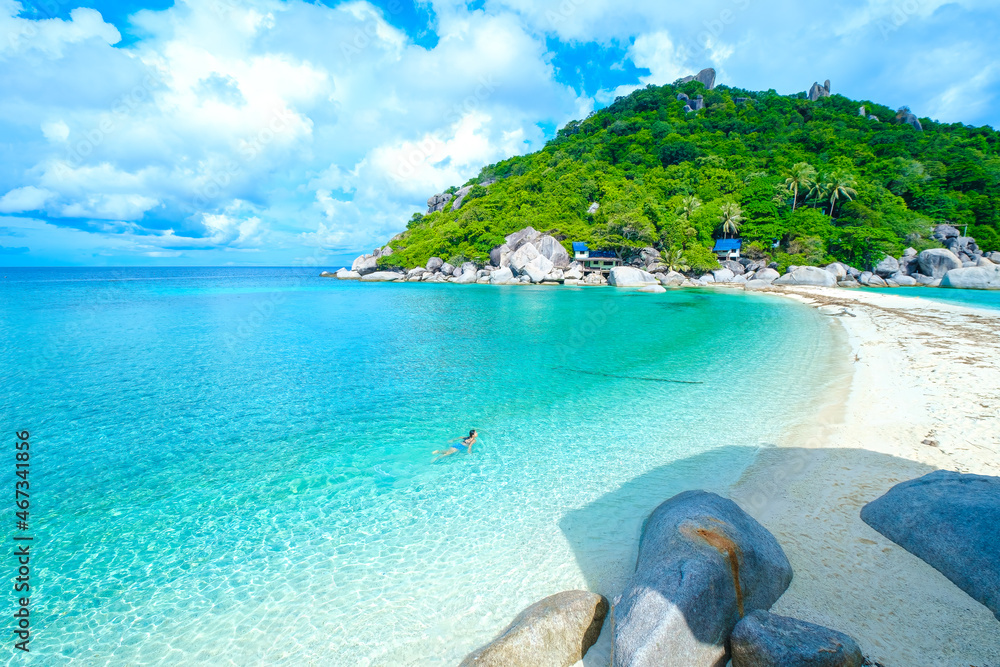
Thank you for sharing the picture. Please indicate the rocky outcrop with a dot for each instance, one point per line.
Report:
(705, 76)
(627, 276)
(703, 563)
(817, 91)
(905, 116)
(501, 276)
(944, 232)
(517, 239)
(438, 202)
(938, 261)
(555, 632)
(949, 520)
(808, 275)
(737, 268)
(435, 264)
(977, 277)
(763, 639)
(550, 248)
(447, 269)
(347, 274)
(365, 264)
(460, 197)
(723, 275)
(766, 275)
(466, 278)
(903, 280)
(382, 277)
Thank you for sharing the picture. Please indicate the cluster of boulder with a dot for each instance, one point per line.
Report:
(531, 257)
(707, 573)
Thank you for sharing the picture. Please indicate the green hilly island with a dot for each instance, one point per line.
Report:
(800, 181)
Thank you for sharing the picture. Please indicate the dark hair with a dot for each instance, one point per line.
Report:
(472, 432)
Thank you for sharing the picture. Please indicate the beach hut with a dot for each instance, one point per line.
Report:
(727, 249)
(595, 260)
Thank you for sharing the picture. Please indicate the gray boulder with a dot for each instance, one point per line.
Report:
(574, 272)
(382, 277)
(876, 281)
(763, 639)
(938, 261)
(517, 239)
(501, 276)
(469, 266)
(723, 275)
(467, 278)
(808, 275)
(627, 276)
(555, 632)
(365, 264)
(942, 232)
(347, 274)
(993, 257)
(910, 252)
(460, 197)
(435, 264)
(703, 563)
(437, 202)
(671, 278)
(903, 280)
(905, 116)
(417, 271)
(522, 256)
(766, 275)
(550, 248)
(909, 265)
(888, 266)
(927, 281)
(537, 269)
(976, 277)
(983, 261)
(950, 520)
(838, 270)
(447, 269)
(737, 268)
(707, 278)
(817, 91)
(848, 283)
(705, 76)
(498, 254)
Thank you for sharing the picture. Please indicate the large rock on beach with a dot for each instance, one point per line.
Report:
(554, 632)
(903, 280)
(501, 276)
(382, 277)
(977, 277)
(447, 269)
(993, 257)
(365, 264)
(551, 249)
(766, 275)
(520, 258)
(627, 276)
(938, 261)
(763, 639)
(737, 268)
(671, 278)
(808, 275)
(466, 278)
(888, 266)
(927, 281)
(723, 275)
(499, 255)
(703, 563)
(837, 269)
(942, 232)
(950, 520)
(435, 264)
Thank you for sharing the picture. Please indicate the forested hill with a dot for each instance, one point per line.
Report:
(824, 180)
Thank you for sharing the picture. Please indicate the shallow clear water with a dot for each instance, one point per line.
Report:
(233, 466)
(966, 297)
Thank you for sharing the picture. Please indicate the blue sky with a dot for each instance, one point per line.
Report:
(272, 132)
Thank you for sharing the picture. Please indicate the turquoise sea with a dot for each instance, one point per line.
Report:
(963, 297)
(233, 466)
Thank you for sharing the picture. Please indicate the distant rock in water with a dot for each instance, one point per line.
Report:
(905, 116)
(817, 91)
(949, 520)
(705, 76)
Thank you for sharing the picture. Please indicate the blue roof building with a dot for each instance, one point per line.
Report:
(594, 260)
(728, 248)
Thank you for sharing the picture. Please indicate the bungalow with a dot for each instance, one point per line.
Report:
(727, 248)
(595, 260)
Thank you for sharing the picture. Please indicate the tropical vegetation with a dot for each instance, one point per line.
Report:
(800, 182)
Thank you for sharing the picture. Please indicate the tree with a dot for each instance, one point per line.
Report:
(840, 185)
(675, 260)
(688, 206)
(731, 218)
(801, 177)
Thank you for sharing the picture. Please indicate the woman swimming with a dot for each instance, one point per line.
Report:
(465, 445)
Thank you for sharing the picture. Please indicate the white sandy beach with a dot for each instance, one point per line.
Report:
(920, 391)
(925, 395)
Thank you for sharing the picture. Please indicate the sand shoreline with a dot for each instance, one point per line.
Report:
(924, 394)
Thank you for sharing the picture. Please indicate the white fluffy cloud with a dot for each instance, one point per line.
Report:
(264, 127)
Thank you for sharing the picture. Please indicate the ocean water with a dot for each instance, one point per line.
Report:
(233, 466)
(965, 297)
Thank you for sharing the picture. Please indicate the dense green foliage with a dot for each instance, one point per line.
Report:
(770, 168)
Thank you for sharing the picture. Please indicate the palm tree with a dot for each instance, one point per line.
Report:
(801, 177)
(731, 218)
(820, 189)
(675, 261)
(841, 185)
(688, 206)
